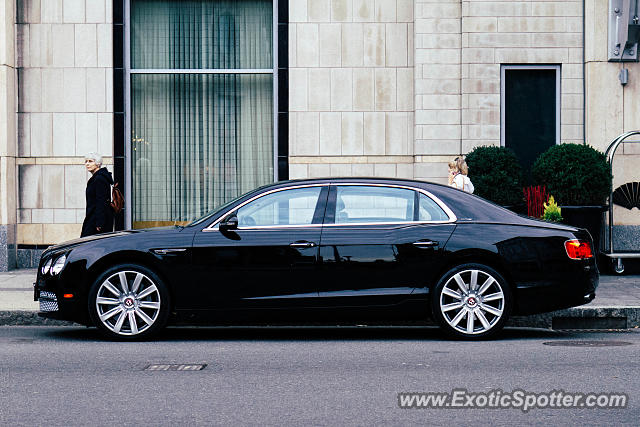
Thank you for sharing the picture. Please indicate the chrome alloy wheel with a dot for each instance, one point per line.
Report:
(128, 303)
(472, 302)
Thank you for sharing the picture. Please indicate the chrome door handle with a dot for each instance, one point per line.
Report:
(423, 244)
(302, 245)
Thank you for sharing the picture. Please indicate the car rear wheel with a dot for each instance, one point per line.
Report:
(129, 302)
(472, 301)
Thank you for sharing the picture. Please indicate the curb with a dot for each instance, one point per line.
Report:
(571, 318)
(29, 318)
(617, 317)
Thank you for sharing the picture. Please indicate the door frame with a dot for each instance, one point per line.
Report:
(503, 68)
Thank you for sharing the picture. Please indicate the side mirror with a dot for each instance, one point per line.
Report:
(229, 223)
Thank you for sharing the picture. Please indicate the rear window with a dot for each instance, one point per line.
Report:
(429, 210)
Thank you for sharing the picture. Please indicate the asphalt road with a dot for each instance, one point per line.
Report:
(303, 376)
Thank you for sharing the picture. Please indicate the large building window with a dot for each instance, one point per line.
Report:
(201, 106)
(530, 110)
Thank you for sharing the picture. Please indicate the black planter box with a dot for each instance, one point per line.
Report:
(589, 217)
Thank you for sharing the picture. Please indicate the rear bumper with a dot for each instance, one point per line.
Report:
(571, 291)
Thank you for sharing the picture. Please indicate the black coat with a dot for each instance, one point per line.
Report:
(99, 212)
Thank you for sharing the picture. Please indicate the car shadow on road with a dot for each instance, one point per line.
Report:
(307, 333)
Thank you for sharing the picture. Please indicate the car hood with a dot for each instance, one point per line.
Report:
(82, 240)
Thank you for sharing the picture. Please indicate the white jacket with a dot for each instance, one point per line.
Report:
(463, 183)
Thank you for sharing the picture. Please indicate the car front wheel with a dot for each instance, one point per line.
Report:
(129, 302)
(472, 301)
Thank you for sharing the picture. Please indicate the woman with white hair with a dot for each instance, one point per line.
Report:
(99, 214)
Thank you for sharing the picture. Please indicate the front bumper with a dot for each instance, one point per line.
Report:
(48, 300)
(49, 291)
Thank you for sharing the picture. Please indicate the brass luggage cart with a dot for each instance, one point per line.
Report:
(609, 251)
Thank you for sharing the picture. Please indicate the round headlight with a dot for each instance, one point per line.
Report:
(57, 266)
(47, 266)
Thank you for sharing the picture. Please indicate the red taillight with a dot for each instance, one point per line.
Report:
(578, 249)
(67, 296)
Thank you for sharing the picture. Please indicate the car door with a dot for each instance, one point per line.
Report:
(379, 243)
(269, 259)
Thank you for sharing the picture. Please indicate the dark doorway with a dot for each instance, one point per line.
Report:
(530, 112)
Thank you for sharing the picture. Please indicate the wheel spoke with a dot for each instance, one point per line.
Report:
(136, 282)
(120, 321)
(451, 293)
(123, 282)
(149, 304)
(483, 320)
(107, 301)
(473, 284)
(458, 318)
(491, 310)
(148, 320)
(463, 286)
(452, 306)
(107, 284)
(470, 321)
(132, 322)
(109, 314)
(485, 285)
(151, 289)
(493, 297)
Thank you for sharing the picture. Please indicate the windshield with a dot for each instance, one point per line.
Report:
(222, 208)
(213, 212)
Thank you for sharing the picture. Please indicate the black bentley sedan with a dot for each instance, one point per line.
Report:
(333, 250)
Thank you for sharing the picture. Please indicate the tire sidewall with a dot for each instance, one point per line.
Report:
(163, 315)
(439, 317)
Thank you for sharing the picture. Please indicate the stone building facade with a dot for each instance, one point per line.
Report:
(391, 88)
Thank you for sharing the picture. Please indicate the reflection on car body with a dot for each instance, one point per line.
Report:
(324, 250)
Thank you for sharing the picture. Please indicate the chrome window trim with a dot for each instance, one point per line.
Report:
(440, 203)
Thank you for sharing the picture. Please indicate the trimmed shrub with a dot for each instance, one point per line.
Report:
(496, 175)
(576, 174)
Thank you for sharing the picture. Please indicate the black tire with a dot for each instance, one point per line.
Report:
(453, 313)
(139, 309)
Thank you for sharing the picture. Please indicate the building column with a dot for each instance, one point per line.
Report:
(8, 150)
(438, 96)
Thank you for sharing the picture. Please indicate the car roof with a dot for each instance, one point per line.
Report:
(464, 205)
(363, 180)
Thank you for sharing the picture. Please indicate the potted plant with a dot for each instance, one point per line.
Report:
(552, 212)
(579, 177)
(497, 176)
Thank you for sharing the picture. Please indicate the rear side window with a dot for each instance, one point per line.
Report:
(369, 204)
(428, 210)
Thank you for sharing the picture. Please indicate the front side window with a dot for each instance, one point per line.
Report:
(368, 204)
(287, 207)
(201, 105)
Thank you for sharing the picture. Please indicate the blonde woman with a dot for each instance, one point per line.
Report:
(458, 171)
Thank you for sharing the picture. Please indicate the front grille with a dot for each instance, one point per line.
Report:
(48, 301)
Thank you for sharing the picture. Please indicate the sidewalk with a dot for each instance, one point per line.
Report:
(617, 305)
